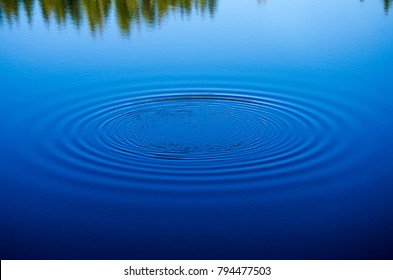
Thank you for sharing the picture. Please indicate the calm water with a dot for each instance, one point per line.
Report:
(208, 129)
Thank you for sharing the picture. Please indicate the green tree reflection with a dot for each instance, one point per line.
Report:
(129, 13)
(9, 10)
(387, 4)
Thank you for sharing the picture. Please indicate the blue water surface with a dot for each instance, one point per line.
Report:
(196, 129)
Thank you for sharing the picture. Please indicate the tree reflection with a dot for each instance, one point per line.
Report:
(9, 10)
(387, 4)
(129, 13)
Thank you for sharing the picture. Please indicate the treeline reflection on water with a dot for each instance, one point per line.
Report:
(128, 13)
(387, 4)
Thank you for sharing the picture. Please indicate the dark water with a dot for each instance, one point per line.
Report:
(184, 129)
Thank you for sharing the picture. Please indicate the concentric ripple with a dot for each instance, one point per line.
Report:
(188, 136)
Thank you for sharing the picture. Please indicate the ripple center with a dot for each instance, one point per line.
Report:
(186, 127)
